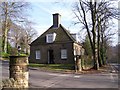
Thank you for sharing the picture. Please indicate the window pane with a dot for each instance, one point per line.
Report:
(49, 38)
(63, 54)
(37, 54)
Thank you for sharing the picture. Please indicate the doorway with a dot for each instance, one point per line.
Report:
(50, 57)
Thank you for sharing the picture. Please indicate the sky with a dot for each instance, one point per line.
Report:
(41, 13)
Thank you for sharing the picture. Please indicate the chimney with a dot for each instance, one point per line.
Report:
(56, 20)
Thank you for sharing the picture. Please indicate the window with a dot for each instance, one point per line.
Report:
(38, 54)
(63, 54)
(50, 38)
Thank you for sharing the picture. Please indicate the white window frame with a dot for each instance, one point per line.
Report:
(50, 37)
(37, 54)
(63, 53)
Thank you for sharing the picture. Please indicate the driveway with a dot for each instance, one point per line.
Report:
(42, 79)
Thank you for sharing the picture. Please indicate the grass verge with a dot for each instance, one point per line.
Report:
(53, 67)
(68, 68)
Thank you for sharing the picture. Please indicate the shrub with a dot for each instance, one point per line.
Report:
(23, 55)
(87, 61)
(5, 55)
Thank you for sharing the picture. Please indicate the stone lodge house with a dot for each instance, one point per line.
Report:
(55, 45)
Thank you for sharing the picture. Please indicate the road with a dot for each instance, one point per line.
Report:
(41, 79)
(115, 67)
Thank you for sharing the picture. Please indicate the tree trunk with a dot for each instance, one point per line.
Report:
(98, 43)
(89, 36)
(5, 29)
(93, 13)
(102, 49)
(95, 56)
(5, 41)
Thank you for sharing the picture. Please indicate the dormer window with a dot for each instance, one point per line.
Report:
(50, 38)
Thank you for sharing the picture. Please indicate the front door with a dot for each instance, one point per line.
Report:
(50, 57)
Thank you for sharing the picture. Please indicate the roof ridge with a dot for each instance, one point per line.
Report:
(68, 33)
(42, 34)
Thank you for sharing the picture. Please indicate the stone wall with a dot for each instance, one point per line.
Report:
(18, 70)
(9, 83)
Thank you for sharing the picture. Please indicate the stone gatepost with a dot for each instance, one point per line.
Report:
(18, 70)
(78, 63)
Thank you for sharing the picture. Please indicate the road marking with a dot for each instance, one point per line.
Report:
(53, 74)
(65, 75)
(76, 76)
(62, 75)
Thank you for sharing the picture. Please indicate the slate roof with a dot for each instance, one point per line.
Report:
(62, 36)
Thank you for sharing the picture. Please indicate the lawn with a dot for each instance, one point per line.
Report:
(55, 67)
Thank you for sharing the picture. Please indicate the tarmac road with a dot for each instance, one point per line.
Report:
(41, 79)
(116, 67)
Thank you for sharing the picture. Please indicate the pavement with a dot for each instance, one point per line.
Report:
(43, 79)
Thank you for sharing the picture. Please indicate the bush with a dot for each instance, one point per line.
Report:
(5, 55)
(87, 61)
(23, 55)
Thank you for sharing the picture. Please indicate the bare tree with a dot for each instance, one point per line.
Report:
(10, 12)
(22, 36)
(29, 34)
(92, 15)
(14, 35)
(0, 35)
(82, 10)
(105, 14)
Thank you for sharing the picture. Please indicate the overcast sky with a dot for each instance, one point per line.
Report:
(42, 10)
